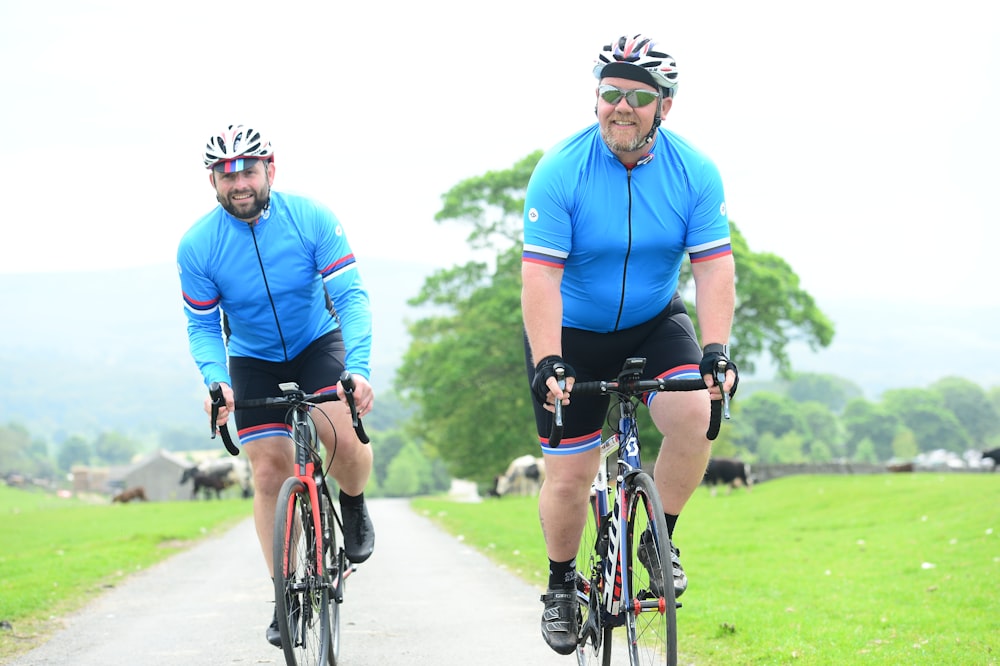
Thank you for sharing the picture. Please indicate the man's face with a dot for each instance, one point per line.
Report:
(623, 127)
(244, 194)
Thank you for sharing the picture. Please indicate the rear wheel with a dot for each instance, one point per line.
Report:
(595, 638)
(650, 606)
(302, 600)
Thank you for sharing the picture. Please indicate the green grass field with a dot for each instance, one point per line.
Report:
(56, 554)
(881, 569)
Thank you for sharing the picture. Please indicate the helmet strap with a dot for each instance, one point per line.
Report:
(656, 124)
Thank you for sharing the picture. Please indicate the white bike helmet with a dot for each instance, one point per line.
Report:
(624, 55)
(234, 142)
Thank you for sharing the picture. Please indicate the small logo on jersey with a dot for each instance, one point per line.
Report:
(722, 208)
(533, 215)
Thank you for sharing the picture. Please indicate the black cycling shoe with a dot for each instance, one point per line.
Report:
(359, 533)
(680, 578)
(560, 620)
(647, 555)
(273, 633)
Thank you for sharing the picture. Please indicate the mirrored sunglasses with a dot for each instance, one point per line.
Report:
(634, 98)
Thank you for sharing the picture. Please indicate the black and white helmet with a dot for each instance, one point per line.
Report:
(234, 142)
(620, 57)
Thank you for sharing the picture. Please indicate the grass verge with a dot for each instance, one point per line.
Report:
(57, 554)
(879, 569)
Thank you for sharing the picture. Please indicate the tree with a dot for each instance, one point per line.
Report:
(772, 413)
(825, 435)
(867, 421)
(74, 451)
(15, 445)
(114, 448)
(409, 473)
(923, 411)
(971, 405)
(465, 369)
(832, 391)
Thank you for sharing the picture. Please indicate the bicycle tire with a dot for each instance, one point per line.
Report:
(589, 577)
(333, 566)
(302, 601)
(651, 609)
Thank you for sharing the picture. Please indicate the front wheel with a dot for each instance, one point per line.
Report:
(333, 570)
(650, 605)
(594, 646)
(302, 600)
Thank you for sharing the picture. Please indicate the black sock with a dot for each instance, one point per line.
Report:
(562, 575)
(671, 523)
(351, 500)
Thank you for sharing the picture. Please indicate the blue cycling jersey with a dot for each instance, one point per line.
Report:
(269, 279)
(620, 234)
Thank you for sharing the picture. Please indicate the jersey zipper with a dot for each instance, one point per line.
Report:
(267, 287)
(628, 249)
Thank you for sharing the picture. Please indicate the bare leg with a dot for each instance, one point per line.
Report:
(272, 462)
(352, 460)
(680, 465)
(562, 501)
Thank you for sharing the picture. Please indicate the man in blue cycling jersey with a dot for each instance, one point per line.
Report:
(272, 294)
(609, 216)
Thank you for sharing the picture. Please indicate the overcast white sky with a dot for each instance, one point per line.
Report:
(858, 140)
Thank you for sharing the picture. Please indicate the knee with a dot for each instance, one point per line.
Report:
(567, 488)
(268, 477)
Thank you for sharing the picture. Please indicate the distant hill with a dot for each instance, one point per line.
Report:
(85, 352)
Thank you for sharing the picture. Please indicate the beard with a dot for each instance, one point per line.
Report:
(620, 140)
(247, 210)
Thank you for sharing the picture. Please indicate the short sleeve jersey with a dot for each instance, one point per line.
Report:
(620, 234)
(269, 279)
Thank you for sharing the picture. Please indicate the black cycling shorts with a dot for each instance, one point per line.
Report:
(316, 370)
(669, 344)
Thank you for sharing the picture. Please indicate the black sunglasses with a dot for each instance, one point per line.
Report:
(635, 98)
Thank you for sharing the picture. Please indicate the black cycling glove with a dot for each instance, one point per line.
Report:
(547, 368)
(714, 353)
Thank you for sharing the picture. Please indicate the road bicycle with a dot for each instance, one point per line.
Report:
(624, 571)
(310, 565)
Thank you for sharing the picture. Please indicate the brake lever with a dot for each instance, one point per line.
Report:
(720, 381)
(561, 381)
(215, 392)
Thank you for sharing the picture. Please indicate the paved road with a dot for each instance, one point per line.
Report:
(422, 598)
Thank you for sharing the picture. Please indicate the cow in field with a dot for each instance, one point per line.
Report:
(134, 493)
(994, 455)
(217, 475)
(728, 472)
(524, 476)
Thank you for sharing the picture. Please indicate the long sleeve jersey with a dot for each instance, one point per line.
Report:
(269, 279)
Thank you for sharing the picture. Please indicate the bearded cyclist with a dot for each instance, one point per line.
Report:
(610, 214)
(272, 294)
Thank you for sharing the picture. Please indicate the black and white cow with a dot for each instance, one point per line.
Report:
(524, 476)
(729, 472)
(217, 475)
